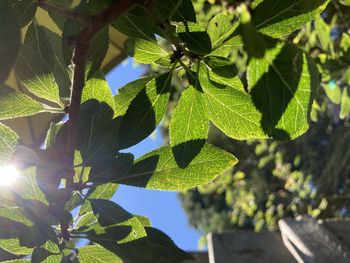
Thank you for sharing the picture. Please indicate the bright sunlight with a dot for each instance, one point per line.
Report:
(8, 175)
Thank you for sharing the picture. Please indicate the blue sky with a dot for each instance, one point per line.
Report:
(163, 208)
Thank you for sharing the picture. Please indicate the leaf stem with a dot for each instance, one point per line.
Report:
(186, 68)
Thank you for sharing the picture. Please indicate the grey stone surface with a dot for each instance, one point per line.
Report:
(312, 242)
(245, 246)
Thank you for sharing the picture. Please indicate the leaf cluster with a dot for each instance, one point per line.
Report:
(65, 186)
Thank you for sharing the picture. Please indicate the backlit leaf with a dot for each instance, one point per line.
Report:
(145, 111)
(36, 65)
(15, 104)
(280, 18)
(282, 88)
(231, 110)
(97, 254)
(8, 143)
(220, 28)
(159, 170)
(98, 88)
(127, 94)
(109, 213)
(194, 37)
(189, 126)
(145, 51)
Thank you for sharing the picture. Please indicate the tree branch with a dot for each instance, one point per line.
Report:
(65, 12)
(93, 24)
(82, 43)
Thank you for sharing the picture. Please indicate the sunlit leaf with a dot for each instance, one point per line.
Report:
(159, 170)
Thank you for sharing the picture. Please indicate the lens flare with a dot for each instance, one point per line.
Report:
(8, 175)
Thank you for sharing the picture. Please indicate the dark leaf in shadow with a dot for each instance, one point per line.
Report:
(141, 173)
(110, 169)
(184, 153)
(195, 38)
(109, 213)
(159, 247)
(145, 111)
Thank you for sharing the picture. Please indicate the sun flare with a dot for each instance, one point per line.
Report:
(8, 175)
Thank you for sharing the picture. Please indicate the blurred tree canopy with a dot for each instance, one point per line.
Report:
(309, 175)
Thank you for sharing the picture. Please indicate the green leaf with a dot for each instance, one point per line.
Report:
(231, 109)
(36, 65)
(137, 230)
(144, 220)
(58, 19)
(253, 41)
(345, 2)
(13, 246)
(27, 186)
(98, 51)
(226, 48)
(220, 28)
(136, 25)
(48, 253)
(323, 31)
(145, 111)
(145, 51)
(40, 255)
(159, 247)
(194, 37)
(159, 170)
(36, 211)
(8, 142)
(189, 126)
(333, 92)
(98, 46)
(176, 10)
(10, 229)
(10, 39)
(105, 191)
(127, 94)
(25, 10)
(109, 213)
(50, 139)
(255, 3)
(281, 18)
(61, 71)
(110, 168)
(345, 104)
(97, 132)
(96, 254)
(282, 88)
(98, 88)
(15, 213)
(15, 104)
(166, 248)
(222, 71)
(36, 235)
(85, 220)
